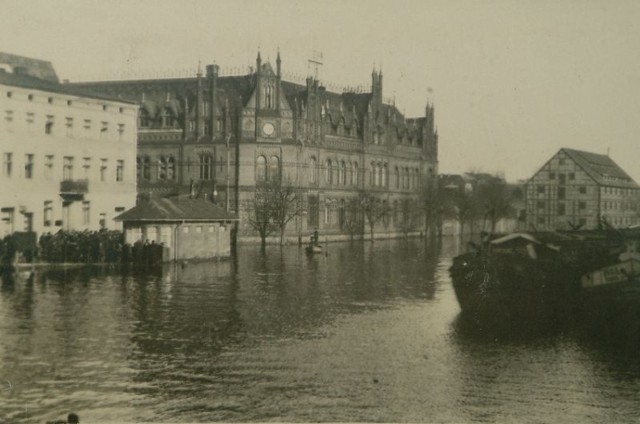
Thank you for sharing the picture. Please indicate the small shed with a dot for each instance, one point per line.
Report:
(186, 228)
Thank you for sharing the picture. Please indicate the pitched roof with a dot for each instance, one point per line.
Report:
(601, 168)
(176, 209)
(28, 81)
(36, 68)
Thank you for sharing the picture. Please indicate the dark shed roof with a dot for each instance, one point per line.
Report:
(176, 209)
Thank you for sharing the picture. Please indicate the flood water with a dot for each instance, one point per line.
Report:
(365, 333)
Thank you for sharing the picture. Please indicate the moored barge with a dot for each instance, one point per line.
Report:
(531, 274)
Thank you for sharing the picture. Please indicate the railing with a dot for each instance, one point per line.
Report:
(74, 187)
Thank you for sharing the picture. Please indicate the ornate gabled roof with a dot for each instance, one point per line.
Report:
(176, 209)
(601, 168)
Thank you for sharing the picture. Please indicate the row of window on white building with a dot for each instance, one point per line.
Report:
(68, 167)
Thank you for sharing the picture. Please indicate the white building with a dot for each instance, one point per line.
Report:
(68, 157)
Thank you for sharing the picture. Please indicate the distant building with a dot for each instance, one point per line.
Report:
(221, 136)
(186, 228)
(68, 157)
(577, 189)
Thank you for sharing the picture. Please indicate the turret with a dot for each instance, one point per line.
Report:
(278, 78)
(199, 123)
(212, 77)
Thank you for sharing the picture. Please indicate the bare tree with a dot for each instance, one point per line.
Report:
(259, 212)
(410, 214)
(352, 221)
(287, 203)
(373, 210)
(273, 206)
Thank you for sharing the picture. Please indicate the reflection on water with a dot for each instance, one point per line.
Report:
(364, 333)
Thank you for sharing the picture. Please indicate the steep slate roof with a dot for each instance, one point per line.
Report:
(36, 68)
(27, 81)
(601, 168)
(176, 209)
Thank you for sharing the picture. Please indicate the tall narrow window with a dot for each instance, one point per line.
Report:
(104, 129)
(261, 168)
(120, 132)
(206, 167)
(48, 213)
(313, 169)
(48, 167)
(327, 176)
(143, 118)
(162, 168)
(103, 170)
(28, 166)
(342, 173)
(374, 174)
(48, 126)
(274, 169)
(8, 120)
(67, 168)
(86, 213)
(86, 166)
(171, 168)
(7, 164)
(69, 126)
(86, 128)
(103, 220)
(31, 118)
(120, 170)
(356, 173)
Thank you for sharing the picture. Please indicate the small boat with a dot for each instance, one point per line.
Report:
(312, 249)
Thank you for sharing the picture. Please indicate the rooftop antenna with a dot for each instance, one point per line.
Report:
(316, 61)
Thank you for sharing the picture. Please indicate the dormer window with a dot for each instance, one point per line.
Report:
(143, 118)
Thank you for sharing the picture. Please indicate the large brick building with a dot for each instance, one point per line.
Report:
(577, 189)
(219, 136)
(68, 157)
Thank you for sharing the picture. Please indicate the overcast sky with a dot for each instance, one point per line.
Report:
(512, 81)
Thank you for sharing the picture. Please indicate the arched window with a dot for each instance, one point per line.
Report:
(168, 119)
(206, 166)
(327, 176)
(373, 174)
(406, 177)
(342, 170)
(171, 168)
(143, 118)
(162, 168)
(274, 169)
(397, 177)
(356, 174)
(350, 173)
(313, 169)
(385, 175)
(261, 168)
(268, 97)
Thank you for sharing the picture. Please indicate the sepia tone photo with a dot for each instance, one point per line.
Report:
(334, 211)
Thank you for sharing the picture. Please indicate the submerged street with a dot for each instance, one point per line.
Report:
(368, 332)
